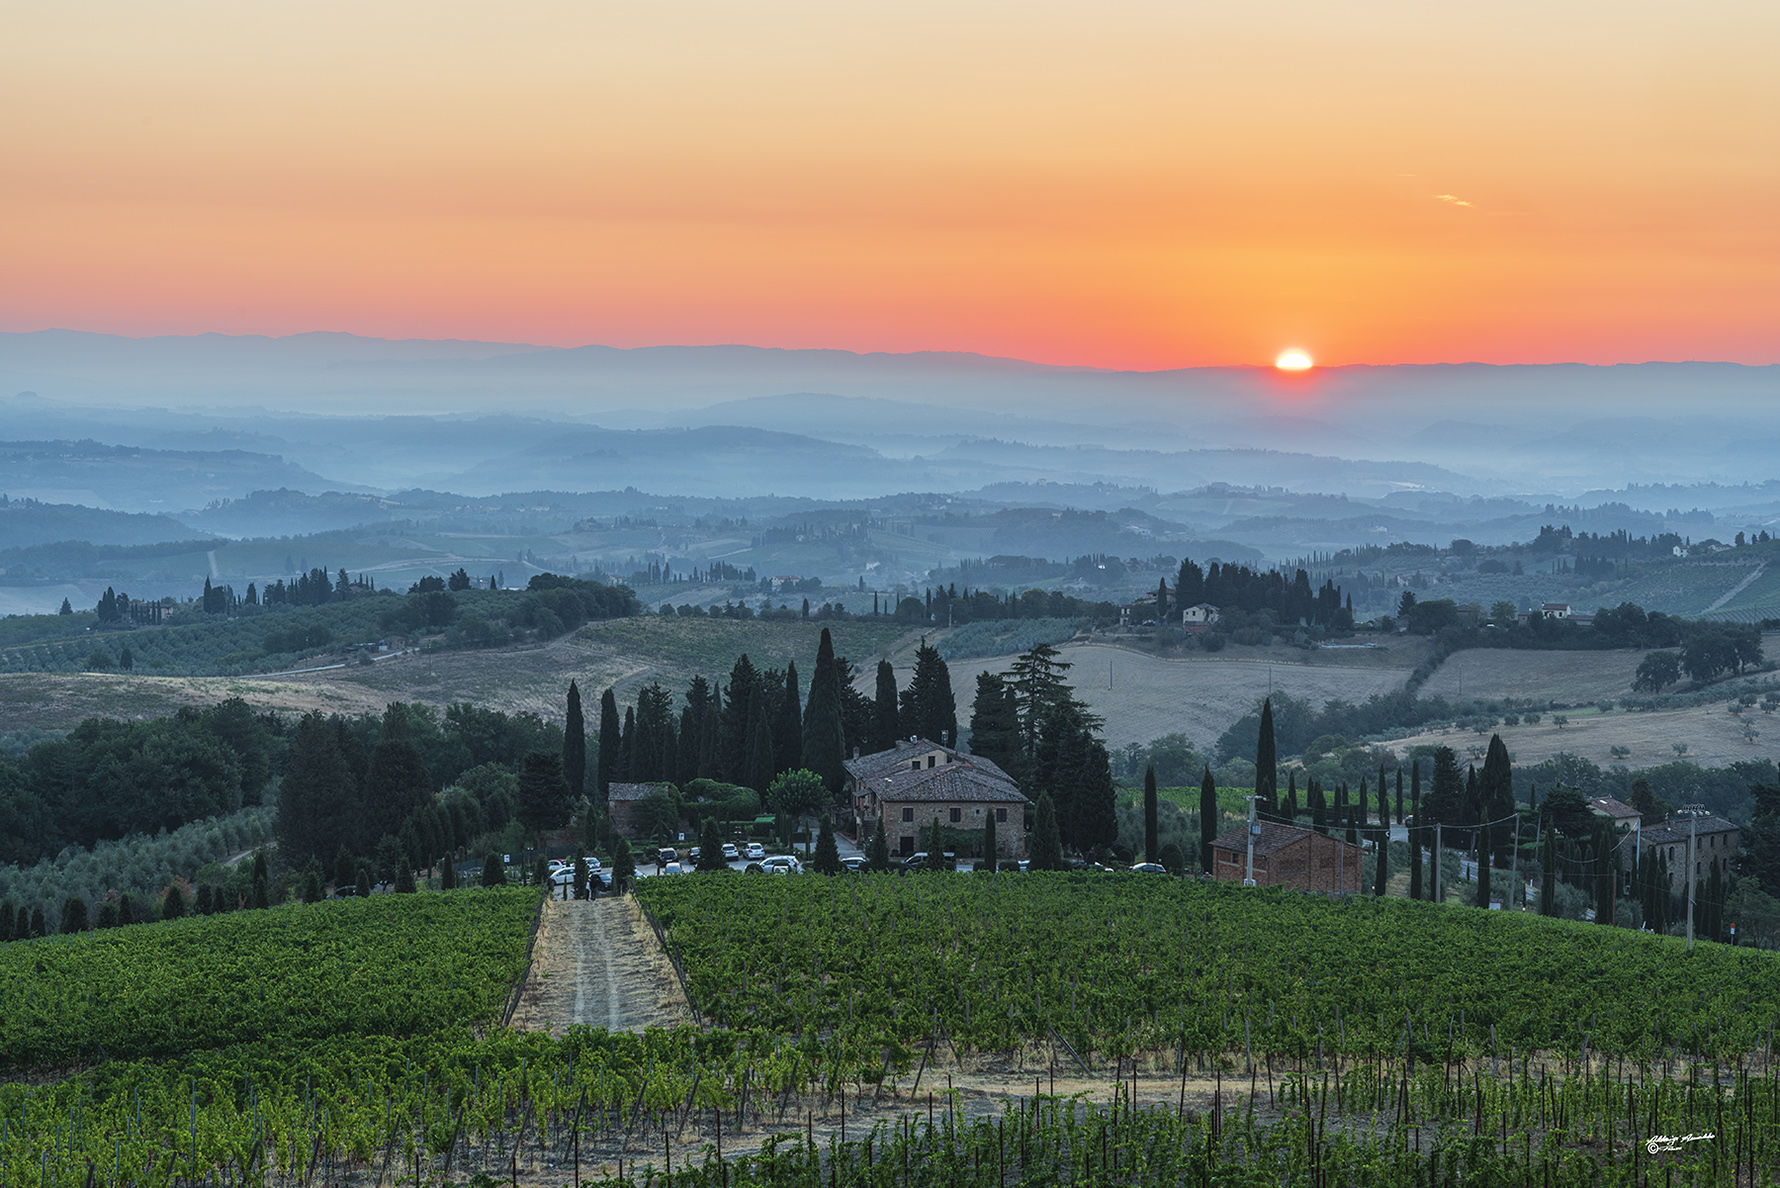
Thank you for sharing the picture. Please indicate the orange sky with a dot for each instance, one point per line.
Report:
(1115, 184)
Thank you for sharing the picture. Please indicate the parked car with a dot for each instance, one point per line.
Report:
(671, 868)
(666, 856)
(1149, 868)
(730, 853)
(756, 851)
(781, 864)
(602, 878)
(562, 876)
(854, 862)
(345, 891)
(693, 853)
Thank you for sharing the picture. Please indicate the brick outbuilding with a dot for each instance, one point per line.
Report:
(1288, 856)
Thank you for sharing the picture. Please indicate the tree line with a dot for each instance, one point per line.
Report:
(106, 779)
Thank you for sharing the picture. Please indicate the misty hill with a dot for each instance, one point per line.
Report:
(1517, 421)
(126, 477)
(27, 522)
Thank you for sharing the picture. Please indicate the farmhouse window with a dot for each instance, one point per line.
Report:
(1001, 814)
(908, 814)
(957, 815)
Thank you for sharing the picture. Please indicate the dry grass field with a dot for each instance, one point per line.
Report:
(1713, 737)
(1142, 697)
(1569, 678)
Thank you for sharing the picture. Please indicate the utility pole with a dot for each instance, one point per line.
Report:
(1248, 877)
(1693, 885)
(1514, 864)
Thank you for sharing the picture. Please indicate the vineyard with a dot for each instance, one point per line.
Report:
(390, 965)
(1124, 966)
(931, 1030)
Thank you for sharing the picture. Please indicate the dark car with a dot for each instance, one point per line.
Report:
(345, 891)
(600, 878)
(666, 856)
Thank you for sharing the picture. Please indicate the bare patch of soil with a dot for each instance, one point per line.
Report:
(597, 964)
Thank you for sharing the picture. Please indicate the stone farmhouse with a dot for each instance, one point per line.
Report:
(917, 782)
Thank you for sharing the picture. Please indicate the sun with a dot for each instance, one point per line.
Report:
(1294, 360)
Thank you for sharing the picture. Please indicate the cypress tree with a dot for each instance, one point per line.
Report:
(886, 727)
(311, 888)
(494, 871)
(610, 744)
(448, 875)
(262, 889)
(574, 747)
(1401, 820)
(991, 855)
(1266, 763)
(1291, 805)
(877, 853)
(1496, 792)
(936, 846)
(319, 796)
(404, 879)
(995, 724)
(759, 756)
(37, 926)
(364, 881)
(1097, 809)
(788, 725)
(207, 897)
(6, 911)
(74, 915)
(1150, 840)
(1047, 842)
(543, 794)
(828, 855)
(126, 912)
(173, 905)
(1208, 819)
(824, 735)
(625, 769)
(106, 917)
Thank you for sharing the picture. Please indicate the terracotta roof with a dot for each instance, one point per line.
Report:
(1273, 836)
(633, 791)
(1675, 829)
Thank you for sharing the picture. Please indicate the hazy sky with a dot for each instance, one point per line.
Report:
(1117, 184)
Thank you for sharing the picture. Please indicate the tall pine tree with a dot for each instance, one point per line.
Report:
(1047, 844)
(928, 708)
(398, 782)
(788, 723)
(995, 725)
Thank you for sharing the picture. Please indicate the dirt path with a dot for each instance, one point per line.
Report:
(596, 964)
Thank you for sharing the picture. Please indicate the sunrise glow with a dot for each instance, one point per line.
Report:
(1294, 360)
(1005, 179)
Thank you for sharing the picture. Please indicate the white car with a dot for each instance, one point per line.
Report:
(730, 853)
(671, 868)
(756, 851)
(781, 864)
(562, 876)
